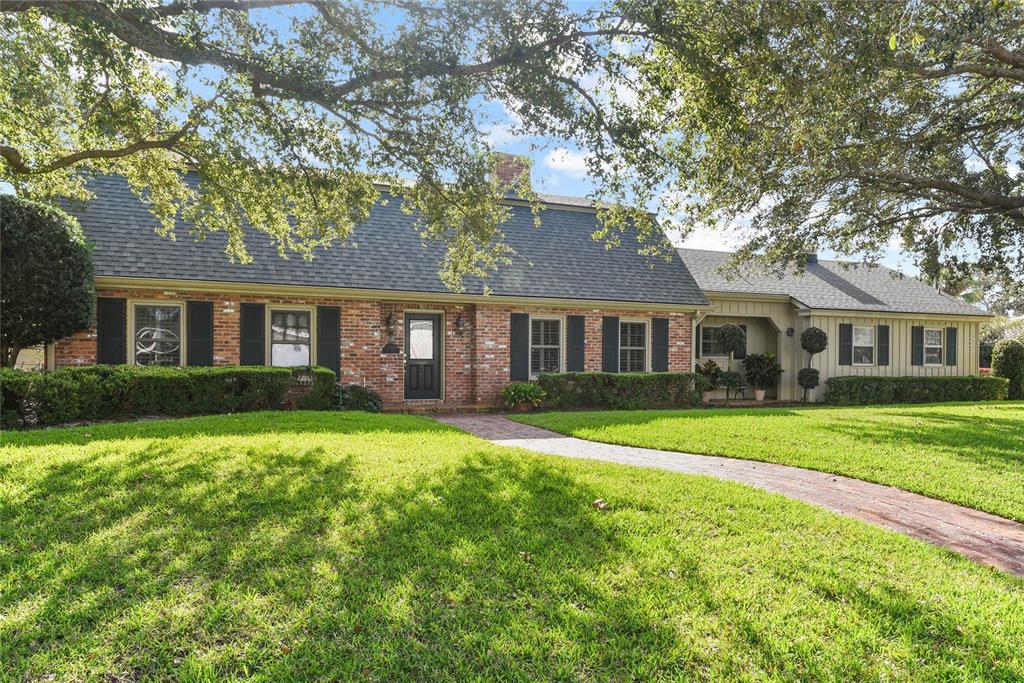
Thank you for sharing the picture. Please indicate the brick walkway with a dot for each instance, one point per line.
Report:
(985, 538)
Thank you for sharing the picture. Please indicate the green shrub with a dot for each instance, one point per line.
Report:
(356, 397)
(114, 391)
(619, 391)
(1008, 362)
(732, 339)
(813, 340)
(808, 378)
(873, 390)
(762, 370)
(523, 393)
(709, 376)
(323, 393)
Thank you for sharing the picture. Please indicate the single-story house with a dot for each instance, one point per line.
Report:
(878, 321)
(376, 312)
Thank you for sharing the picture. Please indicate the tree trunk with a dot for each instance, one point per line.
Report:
(9, 356)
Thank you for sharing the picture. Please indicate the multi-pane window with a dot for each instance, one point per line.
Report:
(290, 335)
(710, 344)
(157, 334)
(545, 346)
(632, 347)
(932, 346)
(863, 345)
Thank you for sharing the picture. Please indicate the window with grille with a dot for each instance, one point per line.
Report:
(932, 346)
(157, 334)
(290, 338)
(632, 347)
(545, 346)
(864, 345)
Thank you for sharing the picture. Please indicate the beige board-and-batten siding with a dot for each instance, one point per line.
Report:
(767, 320)
(782, 314)
(827, 362)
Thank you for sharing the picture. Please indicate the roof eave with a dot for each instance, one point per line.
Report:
(255, 288)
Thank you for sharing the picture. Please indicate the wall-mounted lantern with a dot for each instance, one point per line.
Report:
(389, 335)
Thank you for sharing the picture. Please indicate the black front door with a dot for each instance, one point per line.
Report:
(422, 355)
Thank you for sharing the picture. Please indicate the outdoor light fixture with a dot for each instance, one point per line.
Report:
(389, 330)
(460, 323)
(789, 331)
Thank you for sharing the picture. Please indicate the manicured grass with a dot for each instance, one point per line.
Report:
(325, 546)
(971, 454)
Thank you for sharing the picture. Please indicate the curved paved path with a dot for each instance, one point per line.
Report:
(983, 537)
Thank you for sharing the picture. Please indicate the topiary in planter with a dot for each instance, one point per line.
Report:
(732, 339)
(1008, 362)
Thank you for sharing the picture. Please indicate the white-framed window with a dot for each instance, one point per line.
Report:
(545, 345)
(632, 346)
(710, 344)
(291, 337)
(863, 345)
(933, 346)
(156, 333)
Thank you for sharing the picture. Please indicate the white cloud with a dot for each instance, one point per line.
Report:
(567, 161)
(706, 238)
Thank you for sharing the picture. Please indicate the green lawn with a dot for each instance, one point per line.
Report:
(324, 546)
(971, 454)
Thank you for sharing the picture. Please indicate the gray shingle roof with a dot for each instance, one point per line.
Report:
(830, 284)
(558, 260)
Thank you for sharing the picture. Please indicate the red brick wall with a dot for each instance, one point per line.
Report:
(476, 341)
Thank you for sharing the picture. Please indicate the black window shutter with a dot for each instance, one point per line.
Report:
(328, 338)
(917, 345)
(845, 344)
(610, 343)
(252, 337)
(698, 342)
(950, 346)
(659, 344)
(199, 337)
(519, 366)
(575, 342)
(883, 344)
(742, 353)
(111, 331)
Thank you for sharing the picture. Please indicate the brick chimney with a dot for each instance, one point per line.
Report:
(511, 167)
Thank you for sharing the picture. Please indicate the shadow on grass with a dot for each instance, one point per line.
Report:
(291, 562)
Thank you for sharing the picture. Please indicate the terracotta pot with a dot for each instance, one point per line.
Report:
(759, 394)
(523, 407)
(706, 396)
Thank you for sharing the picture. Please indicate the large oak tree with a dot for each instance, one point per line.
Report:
(839, 124)
(847, 124)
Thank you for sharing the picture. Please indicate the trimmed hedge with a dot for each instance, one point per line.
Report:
(869, 390)
(100, 392)
(620, 390)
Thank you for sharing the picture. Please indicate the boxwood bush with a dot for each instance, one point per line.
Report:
(868, 390)
(620, 391)
(101, 392)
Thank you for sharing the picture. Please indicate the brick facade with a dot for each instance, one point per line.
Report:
(475, 342)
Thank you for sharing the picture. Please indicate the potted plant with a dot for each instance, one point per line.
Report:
(522, 396)
(710, 376)
(763, 371)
